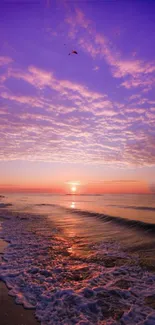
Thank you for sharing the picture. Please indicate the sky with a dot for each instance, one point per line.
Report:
(85, 120)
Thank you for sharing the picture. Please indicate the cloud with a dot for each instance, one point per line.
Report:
(145, 82)
(135, 96)
(73, 123)
(76, 183)
(5, 60)
(96, 68)
(133, 67)
(29, 100)
(118, 181)
(97, 45)
(89, 100)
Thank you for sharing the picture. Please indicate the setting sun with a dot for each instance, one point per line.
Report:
(73, 188)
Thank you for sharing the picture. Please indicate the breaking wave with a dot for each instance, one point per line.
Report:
(118, 220)
(141, 225)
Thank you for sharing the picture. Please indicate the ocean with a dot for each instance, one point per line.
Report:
(81, 259)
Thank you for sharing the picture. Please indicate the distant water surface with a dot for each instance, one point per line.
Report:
(131, 206)
(60, 209)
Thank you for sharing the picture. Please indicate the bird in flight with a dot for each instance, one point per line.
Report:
(73, 52)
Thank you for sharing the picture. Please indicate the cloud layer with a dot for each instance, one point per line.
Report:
(73, 123)
(47, 113)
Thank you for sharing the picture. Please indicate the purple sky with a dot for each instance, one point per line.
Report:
(88, 117)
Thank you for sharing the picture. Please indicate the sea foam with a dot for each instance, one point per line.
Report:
(106, 287)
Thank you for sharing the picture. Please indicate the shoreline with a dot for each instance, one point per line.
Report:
(10, 312)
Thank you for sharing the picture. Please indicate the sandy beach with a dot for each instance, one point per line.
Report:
(11, 313)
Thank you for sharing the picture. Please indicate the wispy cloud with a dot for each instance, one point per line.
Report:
(73, 123)
(4, 60)
(96, 68)
(32, 101)
(89, 100)
(139, 73)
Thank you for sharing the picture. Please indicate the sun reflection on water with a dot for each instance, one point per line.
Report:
(72, 205)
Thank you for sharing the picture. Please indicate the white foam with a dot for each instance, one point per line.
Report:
(65, 289)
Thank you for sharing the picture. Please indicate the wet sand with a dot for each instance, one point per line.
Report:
(10, 312)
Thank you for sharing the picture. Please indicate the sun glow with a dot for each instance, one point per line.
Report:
(73, 189)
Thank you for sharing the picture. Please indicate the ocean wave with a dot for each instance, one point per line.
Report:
(133, 207)
(46, 204)
(5, 205)
(141, 225)
(119, 220)
(107, 287)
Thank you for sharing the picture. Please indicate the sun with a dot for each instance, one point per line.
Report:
(73, 189)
